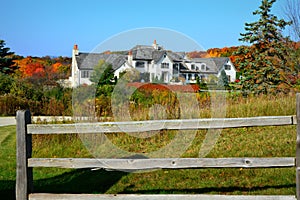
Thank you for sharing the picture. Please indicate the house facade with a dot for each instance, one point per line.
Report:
(154, 61)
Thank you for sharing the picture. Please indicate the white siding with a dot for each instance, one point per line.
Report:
(165, 69)
(229, 72)
(122, 69)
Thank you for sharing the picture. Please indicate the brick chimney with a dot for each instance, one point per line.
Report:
(75, 50)
(154, 45)
(130, 57)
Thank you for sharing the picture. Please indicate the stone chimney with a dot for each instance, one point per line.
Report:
(75, 50)
(130, 57)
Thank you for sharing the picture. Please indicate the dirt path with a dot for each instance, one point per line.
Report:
(6, 121)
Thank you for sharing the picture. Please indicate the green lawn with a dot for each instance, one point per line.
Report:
(259, 141)
(7, 161)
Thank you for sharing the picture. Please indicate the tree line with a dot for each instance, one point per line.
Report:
(33, 83)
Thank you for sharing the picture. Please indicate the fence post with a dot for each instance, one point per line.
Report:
(24, 179)
(298, 147)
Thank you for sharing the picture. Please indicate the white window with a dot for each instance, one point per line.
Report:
(227, 67)
(139, 64)
(165, 65)
(193, 66)
(203, 67)
(229, 78)
(85, 74)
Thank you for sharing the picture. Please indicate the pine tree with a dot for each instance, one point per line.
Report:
(6, 61)
(103, 74)
(223, 80)
(263, 64)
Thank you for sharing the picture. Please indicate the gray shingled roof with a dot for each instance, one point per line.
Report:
(144, 52)
(216, 63)
(176, 56)
(220, 62)
(210, 63)
(89, 60)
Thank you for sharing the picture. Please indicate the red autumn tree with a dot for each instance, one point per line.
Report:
(29, 66)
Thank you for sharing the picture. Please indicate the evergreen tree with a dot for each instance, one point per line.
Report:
(103, 78)
(263, 64)
(6, 60)
(223, 80)
(103, 74)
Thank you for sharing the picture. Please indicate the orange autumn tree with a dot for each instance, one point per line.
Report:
(43, 67)
(221, 52)
(213, 52)
(198, 54)
(62, 66)
(56, 66)
(29, 66)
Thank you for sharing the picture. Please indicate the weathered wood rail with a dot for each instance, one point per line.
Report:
(25, 163)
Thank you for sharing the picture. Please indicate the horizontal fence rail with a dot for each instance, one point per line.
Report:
(154, 125)
(162, 163)
(155, 197)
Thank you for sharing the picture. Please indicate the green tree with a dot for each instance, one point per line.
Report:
(103, 78)
(6, 59)
(6, 82)
(263, 64)
(131, 75)
(223, 80)
(103, 74)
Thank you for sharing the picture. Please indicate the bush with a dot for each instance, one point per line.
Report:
(6, 82)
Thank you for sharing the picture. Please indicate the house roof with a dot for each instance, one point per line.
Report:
(210, 64)
(176, 56)
(216, 63)
(89, 60)
(157, 55)
(144, 52)
(220, 62)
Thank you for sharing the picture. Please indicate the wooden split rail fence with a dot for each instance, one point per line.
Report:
(25, 163)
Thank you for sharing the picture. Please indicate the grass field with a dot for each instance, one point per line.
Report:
(240, 142)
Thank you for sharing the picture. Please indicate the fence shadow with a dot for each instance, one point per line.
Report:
(76, 182)
(7, 189)
(210, 190)
(79, 181)
(99, 181)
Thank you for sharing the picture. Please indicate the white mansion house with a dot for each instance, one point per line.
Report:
(158, 63)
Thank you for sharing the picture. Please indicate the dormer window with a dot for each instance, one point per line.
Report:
(139, 64)
(193, 66)
(165, 65)
(85, 74)
(227, 67)
(203, 67)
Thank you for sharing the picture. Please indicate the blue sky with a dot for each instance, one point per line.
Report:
(52, 27)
